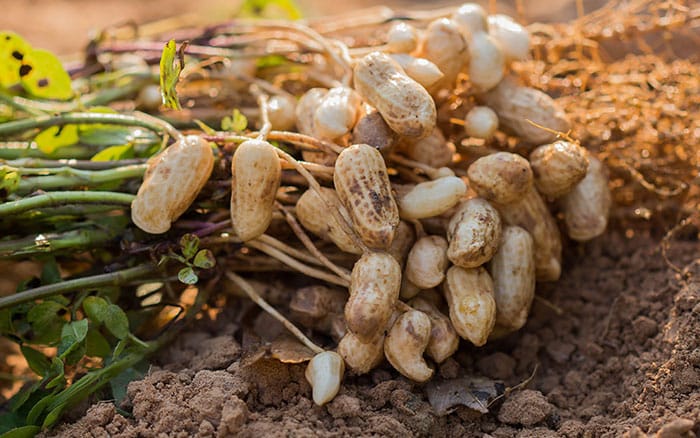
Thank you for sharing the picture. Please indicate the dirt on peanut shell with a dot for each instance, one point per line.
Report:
(615, 346)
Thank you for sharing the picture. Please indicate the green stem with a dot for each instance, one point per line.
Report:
(62, 198)
(47, 243)
(18, 150)
(51, 165)
(69, 177)
(111, 279)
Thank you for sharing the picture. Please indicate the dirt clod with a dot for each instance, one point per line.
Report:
(526, 408)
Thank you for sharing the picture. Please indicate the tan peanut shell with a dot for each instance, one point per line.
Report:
(337, 113)
(432, 150)
(587, 206)
(405, 343)
(444, 340)
(431, 198)
(403, 103)
(513, 274)
(403, 241)
(444, 45)
(408, 289)
(173, 180)
(362, 184)
(557, 167)
(374, 288)
(427, 262)
(515, 105)
(474, 233)
(470, 297)
(371, 129)
(312, 212)
(361, 357)
(502, 177)
(255, 177)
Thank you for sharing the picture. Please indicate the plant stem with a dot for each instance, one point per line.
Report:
(62, 198)
(38, 163)
(69, 177)
(111, 279)
(28, 150)
(47, 243)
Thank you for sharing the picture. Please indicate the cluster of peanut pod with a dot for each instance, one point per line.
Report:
(445, 258)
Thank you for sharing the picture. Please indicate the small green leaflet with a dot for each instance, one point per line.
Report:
(236, 122)
(172, 61)
(13, 49)
(271, 9)
(114, 153)
(22, 432)
(43, 76)
(56, 137)
(189, 244)
(72, 336)
(95, 308)
(116, 321)
(187, 276)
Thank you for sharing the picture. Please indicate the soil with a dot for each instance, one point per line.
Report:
(614, 348)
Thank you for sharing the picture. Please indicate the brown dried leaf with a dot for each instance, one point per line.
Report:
(287, 349)
(473, 392)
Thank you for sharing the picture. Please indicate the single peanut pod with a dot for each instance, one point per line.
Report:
(512, 36)
(362, 183)
(312, 212)
(405, 343)
(431, 198)
(517, 106)
(513, 274)
(587, 206)
(474, 233)
(432, 150)
(337, 113)
(470, 298)
(403, 103)
(481, 122)
(306, 109)
(444, 340)
(361, 357)
(172, 182)
(420, 70)
(444, 45)
(427, 262)
(486, 61)
(324, 373)
(401, 38)
(470, 18)
(371, 129)
(256, 175)
(557, 167)
(374, 288)
(403, 241)
(281, 110)
(502, 177)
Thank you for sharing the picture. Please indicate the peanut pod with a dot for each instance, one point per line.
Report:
(470, 297)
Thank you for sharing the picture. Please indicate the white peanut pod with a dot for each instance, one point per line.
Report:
(403, 103)
(375, 282)
(324, 373)
(361, 357)
(513, 274)
(486, 61)
(517, 106)
(306, 109)
(405, 343)
(427, 262)
(173, 180)
(419, 69)
(281, 111)
(502, 177)
(312, 212)
(444, 340)
(401, 38)
(557, 167)
(470, 297)
(432, 150)
(512, 36)
(474, 233)
(362, 184)
(481, 122)
(470, 18)
(255, 177)
(587, 206)
(431, 198)
(444, 45)
(337, 113)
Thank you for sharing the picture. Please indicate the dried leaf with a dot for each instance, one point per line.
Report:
(473, 392)
(288, 349)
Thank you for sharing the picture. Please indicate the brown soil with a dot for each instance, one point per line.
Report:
(616, 349)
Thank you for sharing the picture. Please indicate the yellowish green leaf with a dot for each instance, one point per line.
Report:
(270, 9)
(114, 153)
(171, 64)
(56, 137)
(43, 76)
(13, 49)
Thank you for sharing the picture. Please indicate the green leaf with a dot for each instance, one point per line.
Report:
(271, 9)
(271, 61)
(46, 322)
(43, 76)
(237, 122)
(95, 308)
(13, 49)
(36, 360)
(205, 259)
(116, 322)
(120, 382)
(72, 335)
(187, 276)
(22, 432)
(50, 273)
(9, 181)
(189, 244)
(51, 139)
(96, 344)
(53, 416)
(58, 372)
(6, 325)
(171, 64)
(38, 408)
(114, 153)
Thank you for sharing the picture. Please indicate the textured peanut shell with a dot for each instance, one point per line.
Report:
(173, 180)
(469, 295)
(404, 239)
(427, 262)
(474, 233)
(255, 178)
(374, 288)
(431, 198)
(444, 340)
(515, 105)
(513, 274)
(403, 103)
(432, 150)
(371, 129)
(362, 184)
(361, 357)
(405, 343)
(312, 212)
(557, 167)
(587, 206)
(502, 177)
